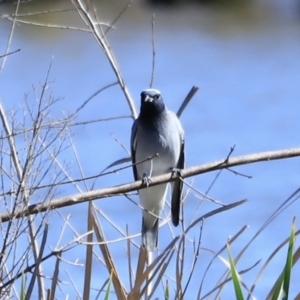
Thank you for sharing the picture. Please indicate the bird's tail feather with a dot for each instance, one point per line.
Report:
(150, 236)
(176, 201)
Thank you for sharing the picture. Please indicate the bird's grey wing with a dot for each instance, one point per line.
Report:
(177, 190)
(177, 185)
(133, 143)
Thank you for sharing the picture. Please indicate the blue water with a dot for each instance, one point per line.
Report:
(245, 62)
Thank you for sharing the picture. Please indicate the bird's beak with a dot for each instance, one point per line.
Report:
(148, 98)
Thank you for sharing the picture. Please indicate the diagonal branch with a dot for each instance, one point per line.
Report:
(100, 37)
(129, 187)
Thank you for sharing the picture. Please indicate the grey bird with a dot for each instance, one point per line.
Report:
(157, 134)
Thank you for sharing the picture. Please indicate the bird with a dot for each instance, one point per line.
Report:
(157, 147)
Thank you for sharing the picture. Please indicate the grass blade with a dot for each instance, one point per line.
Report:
(108, 287)
(22, 292)
(235, 277)
(289, 262)
(167, 291)
(281, 287)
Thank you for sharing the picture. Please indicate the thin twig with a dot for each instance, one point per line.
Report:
(120, 144)
(204, 195)
(195, 258)
(92, 96)
(44, 12)
(38, 262)
(118, 16)
(50, 25)
(153, 53)
(29, 269)
(10, 53)
(231, 240)
(220, 171)
(239, 174)
(63, 123)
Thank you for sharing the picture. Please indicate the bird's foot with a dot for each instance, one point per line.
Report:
(146, 180)
(176, 172)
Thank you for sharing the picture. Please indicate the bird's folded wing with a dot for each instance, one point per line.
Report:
(177, 190)
(133, 148)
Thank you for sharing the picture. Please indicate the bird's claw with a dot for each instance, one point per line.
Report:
(176, 172)
(146, 180)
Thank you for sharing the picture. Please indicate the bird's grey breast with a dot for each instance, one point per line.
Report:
(157, 138)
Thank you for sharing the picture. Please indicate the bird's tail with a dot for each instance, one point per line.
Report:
(150, 236)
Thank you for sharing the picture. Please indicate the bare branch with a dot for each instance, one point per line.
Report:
(102, 41)
(129, 187)
(44, 12)
(47, 25)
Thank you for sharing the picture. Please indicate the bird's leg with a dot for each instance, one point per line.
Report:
(176, 172)
(146, 180)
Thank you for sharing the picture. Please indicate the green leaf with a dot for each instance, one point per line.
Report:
(167, 292)
(108, 287)
(289, 263)
(235, 277)
(282, 285)
(22, 292)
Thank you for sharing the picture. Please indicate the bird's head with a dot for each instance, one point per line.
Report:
(151, 103)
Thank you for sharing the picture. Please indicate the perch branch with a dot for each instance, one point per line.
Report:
(129, 187)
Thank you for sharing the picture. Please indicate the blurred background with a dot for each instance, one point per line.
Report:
(244, 57)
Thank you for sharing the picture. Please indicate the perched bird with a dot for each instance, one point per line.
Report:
(156, 134)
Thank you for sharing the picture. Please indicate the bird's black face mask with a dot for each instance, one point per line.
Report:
(151, 103)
